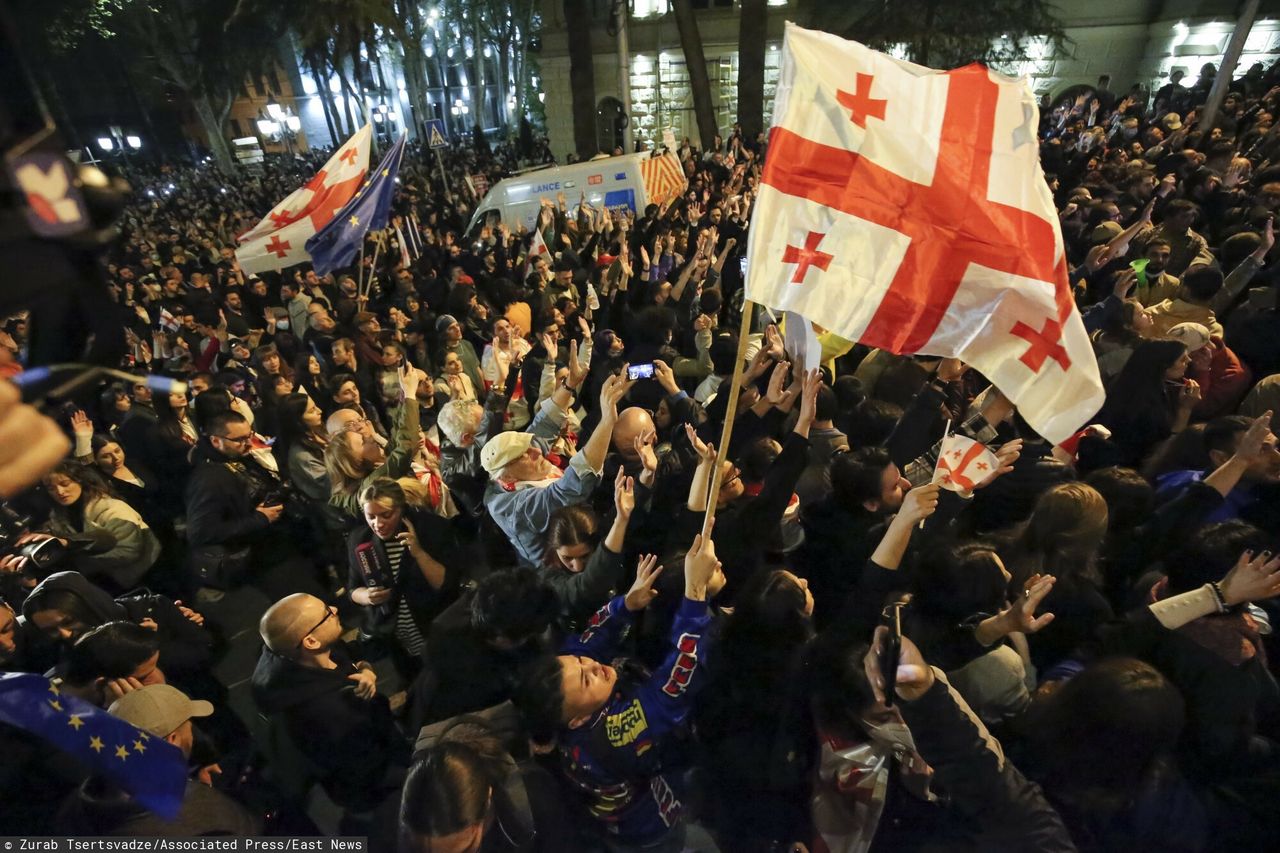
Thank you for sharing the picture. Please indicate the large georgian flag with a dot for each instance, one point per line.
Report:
(280, 239)
(905, 208)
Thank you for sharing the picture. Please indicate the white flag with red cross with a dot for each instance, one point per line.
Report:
(963, 463)
(905, 208)
(280, 239)
(537, 248)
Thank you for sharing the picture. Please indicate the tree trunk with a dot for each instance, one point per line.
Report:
(522, 62)
(477, 72)
(752, 29)
(413, 84)
(582, 77)
(504, 75)
(213, 129)
(699, 82)
(930, 18)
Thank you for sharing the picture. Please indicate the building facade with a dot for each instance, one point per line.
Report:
(1134, 41)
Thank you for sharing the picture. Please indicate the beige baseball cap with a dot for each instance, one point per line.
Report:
(1194, 335)
(503, 449)
(158, 708)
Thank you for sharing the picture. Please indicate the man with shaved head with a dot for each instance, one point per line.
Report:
(307, 680)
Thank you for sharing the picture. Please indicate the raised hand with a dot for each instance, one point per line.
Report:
(642, 593)
(1253, 578)
(920, 503)
(774, 394)
(700, 568)
(611, 393)
(706, 452)
(80, 423)
(624, 495)
(913, 678)
(1020, 616)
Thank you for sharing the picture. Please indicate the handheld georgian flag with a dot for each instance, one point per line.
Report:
(336, 244)
(279, 240)
(905, 208)
(151, 770)
(537, 247)
(963, 463)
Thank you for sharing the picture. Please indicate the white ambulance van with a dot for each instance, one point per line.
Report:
(627, 182)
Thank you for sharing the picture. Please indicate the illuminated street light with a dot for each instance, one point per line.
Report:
(135, 142)
(105, 143)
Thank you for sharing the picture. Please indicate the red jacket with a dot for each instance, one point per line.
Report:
(1223, 385)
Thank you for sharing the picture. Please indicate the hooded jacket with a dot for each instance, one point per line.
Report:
(354, 745)
(185, 647)
(124, 546)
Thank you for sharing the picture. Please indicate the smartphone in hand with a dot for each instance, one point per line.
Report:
(640, 371)
(891, 648)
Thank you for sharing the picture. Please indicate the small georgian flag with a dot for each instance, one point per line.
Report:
(963, 463)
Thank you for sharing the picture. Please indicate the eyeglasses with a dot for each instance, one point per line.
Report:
(356, 423)
(242, 440)
(328, 611)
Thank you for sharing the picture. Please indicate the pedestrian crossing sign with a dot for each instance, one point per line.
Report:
(435, 133)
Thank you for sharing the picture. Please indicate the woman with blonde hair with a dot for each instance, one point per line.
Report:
(1063, 538)
(352, 462)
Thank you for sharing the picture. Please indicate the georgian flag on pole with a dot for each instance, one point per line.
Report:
(279, 240)
(905, 208)
(538, 246)
(963, 463)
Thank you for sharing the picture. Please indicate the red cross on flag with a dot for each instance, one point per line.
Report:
(280, 239)
(963, 463)
(905, 208)
(536, 248)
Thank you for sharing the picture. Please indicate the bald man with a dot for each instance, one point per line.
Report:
(307, 680)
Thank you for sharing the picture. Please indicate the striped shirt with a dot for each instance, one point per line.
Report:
(407, 633)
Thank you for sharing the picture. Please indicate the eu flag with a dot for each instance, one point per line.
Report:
(335, 245)
(150, 769)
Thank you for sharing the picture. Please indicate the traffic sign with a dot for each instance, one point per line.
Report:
(436, 137)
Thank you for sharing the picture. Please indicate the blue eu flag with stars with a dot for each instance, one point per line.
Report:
(335, 245)
(153, 771)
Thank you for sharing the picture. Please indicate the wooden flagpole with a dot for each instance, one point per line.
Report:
(730, 414)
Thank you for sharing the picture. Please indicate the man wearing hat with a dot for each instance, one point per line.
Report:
(1223, 379)
(100, 808)
(525, 488)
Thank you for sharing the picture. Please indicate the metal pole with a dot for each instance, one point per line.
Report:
(443, 176)
(1222, 82)
(624, 72)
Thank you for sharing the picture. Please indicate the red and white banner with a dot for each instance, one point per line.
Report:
(906, 208)
(664, 178)
(963, 463)
(279, 240)
(537, 247)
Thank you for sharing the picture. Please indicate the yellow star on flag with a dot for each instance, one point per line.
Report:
(75, 722)
(386, 172)
(354, 220)
(53, 688)
(55, 704)
(95, 743)
(122, 753)
(138, 747)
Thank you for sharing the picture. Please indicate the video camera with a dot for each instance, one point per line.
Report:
(42, 556)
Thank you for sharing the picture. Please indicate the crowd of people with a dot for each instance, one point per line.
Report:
(440, 472)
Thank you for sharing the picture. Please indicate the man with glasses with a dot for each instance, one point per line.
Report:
(308, 681)
(234, 515)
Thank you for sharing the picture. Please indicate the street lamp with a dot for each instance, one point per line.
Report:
(105, 143)
(135, 142)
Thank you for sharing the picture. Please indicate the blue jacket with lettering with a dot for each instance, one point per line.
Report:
(616, 762)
